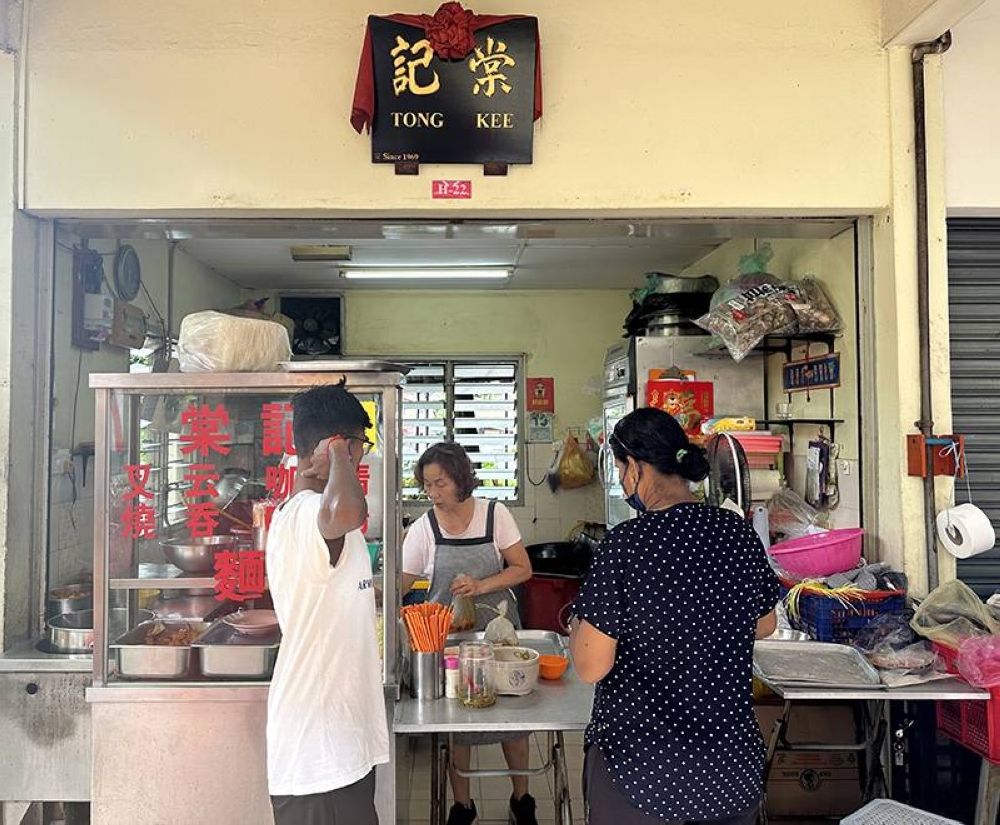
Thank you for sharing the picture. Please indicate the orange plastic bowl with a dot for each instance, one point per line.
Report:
(552, 667)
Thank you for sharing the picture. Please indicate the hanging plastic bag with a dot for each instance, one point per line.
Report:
(813, 309)
(978, 661)
(463, 613)
(500, 631)
(952, 613)
(575, 469)
(790, 516)
(751, 307)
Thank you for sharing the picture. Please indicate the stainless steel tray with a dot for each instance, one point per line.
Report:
(226, 654)
(343, 365)
(813, 664)
(545, 642)
(137, 660)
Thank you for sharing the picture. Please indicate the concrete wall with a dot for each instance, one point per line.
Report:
(661, 106)
(971, 114)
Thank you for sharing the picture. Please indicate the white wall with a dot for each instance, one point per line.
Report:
(972, 114)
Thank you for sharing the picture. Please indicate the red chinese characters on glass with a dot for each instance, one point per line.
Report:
(239, 576)
(364, 477)
(140, 516)
(279, 481)
(277, 437)
(206, 430)
(202, 511)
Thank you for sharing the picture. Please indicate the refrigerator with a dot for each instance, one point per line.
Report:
(738, 390)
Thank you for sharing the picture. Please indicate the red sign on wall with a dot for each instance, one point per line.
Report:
(451, 189)
(541, 395)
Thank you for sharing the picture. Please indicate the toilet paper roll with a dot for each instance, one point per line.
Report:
(965, 531)
(764, 484)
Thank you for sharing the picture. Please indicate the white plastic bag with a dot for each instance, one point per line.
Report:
(500, 631)
(216, 342)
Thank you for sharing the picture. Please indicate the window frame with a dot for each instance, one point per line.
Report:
(449, 362)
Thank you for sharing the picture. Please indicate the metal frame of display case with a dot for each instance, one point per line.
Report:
(370, 377)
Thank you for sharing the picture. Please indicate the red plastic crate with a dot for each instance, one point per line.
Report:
(972, 723)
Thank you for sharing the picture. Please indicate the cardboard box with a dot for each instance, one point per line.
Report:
(692, 403)
(813, 783)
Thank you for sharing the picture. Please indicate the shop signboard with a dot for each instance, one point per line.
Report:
(453, 87)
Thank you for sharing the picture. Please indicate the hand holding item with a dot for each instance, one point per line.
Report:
(464, 585)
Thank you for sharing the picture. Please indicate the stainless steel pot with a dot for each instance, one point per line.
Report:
(74, 632)
(57, 602)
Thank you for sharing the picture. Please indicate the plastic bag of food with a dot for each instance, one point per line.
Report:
(744, 320)
(952, 613)
(216, 342)
(789, 515)
(813, 309)
(463, 613)
(888, 632)
(978, 661)
(500, 631)
(575, 469)
(915, 658)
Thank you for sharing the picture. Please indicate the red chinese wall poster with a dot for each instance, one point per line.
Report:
(541, 395)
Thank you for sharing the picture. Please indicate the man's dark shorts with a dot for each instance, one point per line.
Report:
(353, 805)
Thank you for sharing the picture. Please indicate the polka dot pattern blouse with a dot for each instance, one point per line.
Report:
(681, 591)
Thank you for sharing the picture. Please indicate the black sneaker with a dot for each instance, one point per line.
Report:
(460, 815)
(522, 811)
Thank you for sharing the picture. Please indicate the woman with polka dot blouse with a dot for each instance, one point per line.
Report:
(665, 626)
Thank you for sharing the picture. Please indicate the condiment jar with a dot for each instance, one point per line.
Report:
(451, 677)
(475, 666)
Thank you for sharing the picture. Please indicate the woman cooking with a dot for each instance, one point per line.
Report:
(469, 547)
(665, 625)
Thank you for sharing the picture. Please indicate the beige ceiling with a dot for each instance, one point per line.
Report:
(554, 254)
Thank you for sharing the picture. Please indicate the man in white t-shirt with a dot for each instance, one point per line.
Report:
(326, 720)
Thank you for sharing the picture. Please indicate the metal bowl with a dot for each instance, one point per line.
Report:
(785, 634)
(68, 599)
(196, 555)
(74, 632)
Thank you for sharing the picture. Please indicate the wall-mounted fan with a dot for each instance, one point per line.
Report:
(317, 325)
(728, 474)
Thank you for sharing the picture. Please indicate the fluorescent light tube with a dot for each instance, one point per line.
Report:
(450, 274)
(320, 252)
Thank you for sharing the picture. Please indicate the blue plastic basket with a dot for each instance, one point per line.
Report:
(826, 620)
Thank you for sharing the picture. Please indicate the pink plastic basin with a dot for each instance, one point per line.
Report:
(821, 555)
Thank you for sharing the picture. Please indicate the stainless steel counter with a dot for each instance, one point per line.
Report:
(27, 657)
(553, 705)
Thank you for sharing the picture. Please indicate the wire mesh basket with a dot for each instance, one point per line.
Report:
(888, 812)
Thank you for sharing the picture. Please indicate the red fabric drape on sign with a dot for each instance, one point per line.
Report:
(363, 110)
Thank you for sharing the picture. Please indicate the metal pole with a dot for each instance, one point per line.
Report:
(926, 422)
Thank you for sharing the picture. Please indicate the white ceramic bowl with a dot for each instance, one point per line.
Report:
(515, 670)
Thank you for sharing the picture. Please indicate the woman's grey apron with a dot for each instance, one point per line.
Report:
(475, 557)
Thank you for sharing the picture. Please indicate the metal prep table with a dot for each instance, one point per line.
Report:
(553, 707)
(873, 711)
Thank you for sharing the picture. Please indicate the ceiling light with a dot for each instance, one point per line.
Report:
(320, 252)
(428, 274)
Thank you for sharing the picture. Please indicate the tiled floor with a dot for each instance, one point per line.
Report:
(492, 795)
